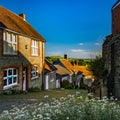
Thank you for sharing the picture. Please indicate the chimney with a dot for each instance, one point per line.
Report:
(65, 56)
(23, 16)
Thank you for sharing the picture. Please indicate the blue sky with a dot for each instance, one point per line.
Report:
(73, 27)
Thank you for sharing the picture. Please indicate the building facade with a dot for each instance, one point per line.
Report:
(50, 76)
(21, 53)
(111, 53)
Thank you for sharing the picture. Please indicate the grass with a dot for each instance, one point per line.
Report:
(39, 95)
(6, 101)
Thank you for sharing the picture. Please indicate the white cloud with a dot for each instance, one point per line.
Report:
(77, 50)
(81, 44)
(98, 44)
(73, 53)
(80, 53)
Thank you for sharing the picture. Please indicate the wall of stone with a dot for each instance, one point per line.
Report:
(23, 59)
(108, 61)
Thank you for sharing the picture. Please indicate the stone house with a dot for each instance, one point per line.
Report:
(50, 75)
(67, 65)
(75, 75)
(61, 74)
(111, 53)
(88, 77)
(21, 53)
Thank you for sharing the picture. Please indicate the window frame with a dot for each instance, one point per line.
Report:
(35, 72)
(34, 47)
(10, 40)
(10, 74)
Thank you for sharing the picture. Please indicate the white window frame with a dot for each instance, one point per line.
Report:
(34, 48)
(10, 43)
(34, 72)
(9, 76)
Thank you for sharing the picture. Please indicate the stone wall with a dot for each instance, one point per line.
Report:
(22, 59)
(112, 61)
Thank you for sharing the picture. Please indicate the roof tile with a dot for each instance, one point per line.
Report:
(15, 23)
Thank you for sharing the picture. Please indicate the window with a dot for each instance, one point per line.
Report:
(10, 77)
(10, 43)
(34, 72)
(34, 48)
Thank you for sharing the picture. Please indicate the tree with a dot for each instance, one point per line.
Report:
(51, 59)
(97, 66)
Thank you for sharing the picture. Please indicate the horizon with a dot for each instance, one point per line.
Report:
(72, 27)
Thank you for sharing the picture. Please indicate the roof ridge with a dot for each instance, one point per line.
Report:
(12, 13)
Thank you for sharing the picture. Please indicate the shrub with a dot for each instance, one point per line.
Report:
(34, 89)
(66, 84)
(82, 85)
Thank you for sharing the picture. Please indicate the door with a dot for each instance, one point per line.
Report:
(46, 82)
(24, 78)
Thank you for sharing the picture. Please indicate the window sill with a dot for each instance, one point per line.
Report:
(10, 86)
(9, 54)
(35, 55)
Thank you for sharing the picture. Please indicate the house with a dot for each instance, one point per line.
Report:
(50, 76)
(111, 53)
(74, 74)
(61, 74)
(21, 53)
(67, 65)
(88, 76)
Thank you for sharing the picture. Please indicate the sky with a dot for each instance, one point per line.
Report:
(73, 27)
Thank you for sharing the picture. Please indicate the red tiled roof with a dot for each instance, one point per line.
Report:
(16, 23)
(85, 71)
(67, 64)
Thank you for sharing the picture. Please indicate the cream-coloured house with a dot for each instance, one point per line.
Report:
(21, 53)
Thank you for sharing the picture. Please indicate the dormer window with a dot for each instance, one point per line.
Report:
(10, 43)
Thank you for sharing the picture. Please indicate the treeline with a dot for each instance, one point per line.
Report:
(52, 59)
(81, 62)
(78, 61)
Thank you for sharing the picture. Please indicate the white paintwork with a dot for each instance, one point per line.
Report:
(24, 80)
(46, 82)
(57, 83)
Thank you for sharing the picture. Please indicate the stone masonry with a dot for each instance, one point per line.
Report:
(111, 53)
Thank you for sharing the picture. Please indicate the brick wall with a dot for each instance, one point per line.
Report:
(23, 59)
(116, 20)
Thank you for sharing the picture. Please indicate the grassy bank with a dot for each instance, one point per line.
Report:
(69, 107)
